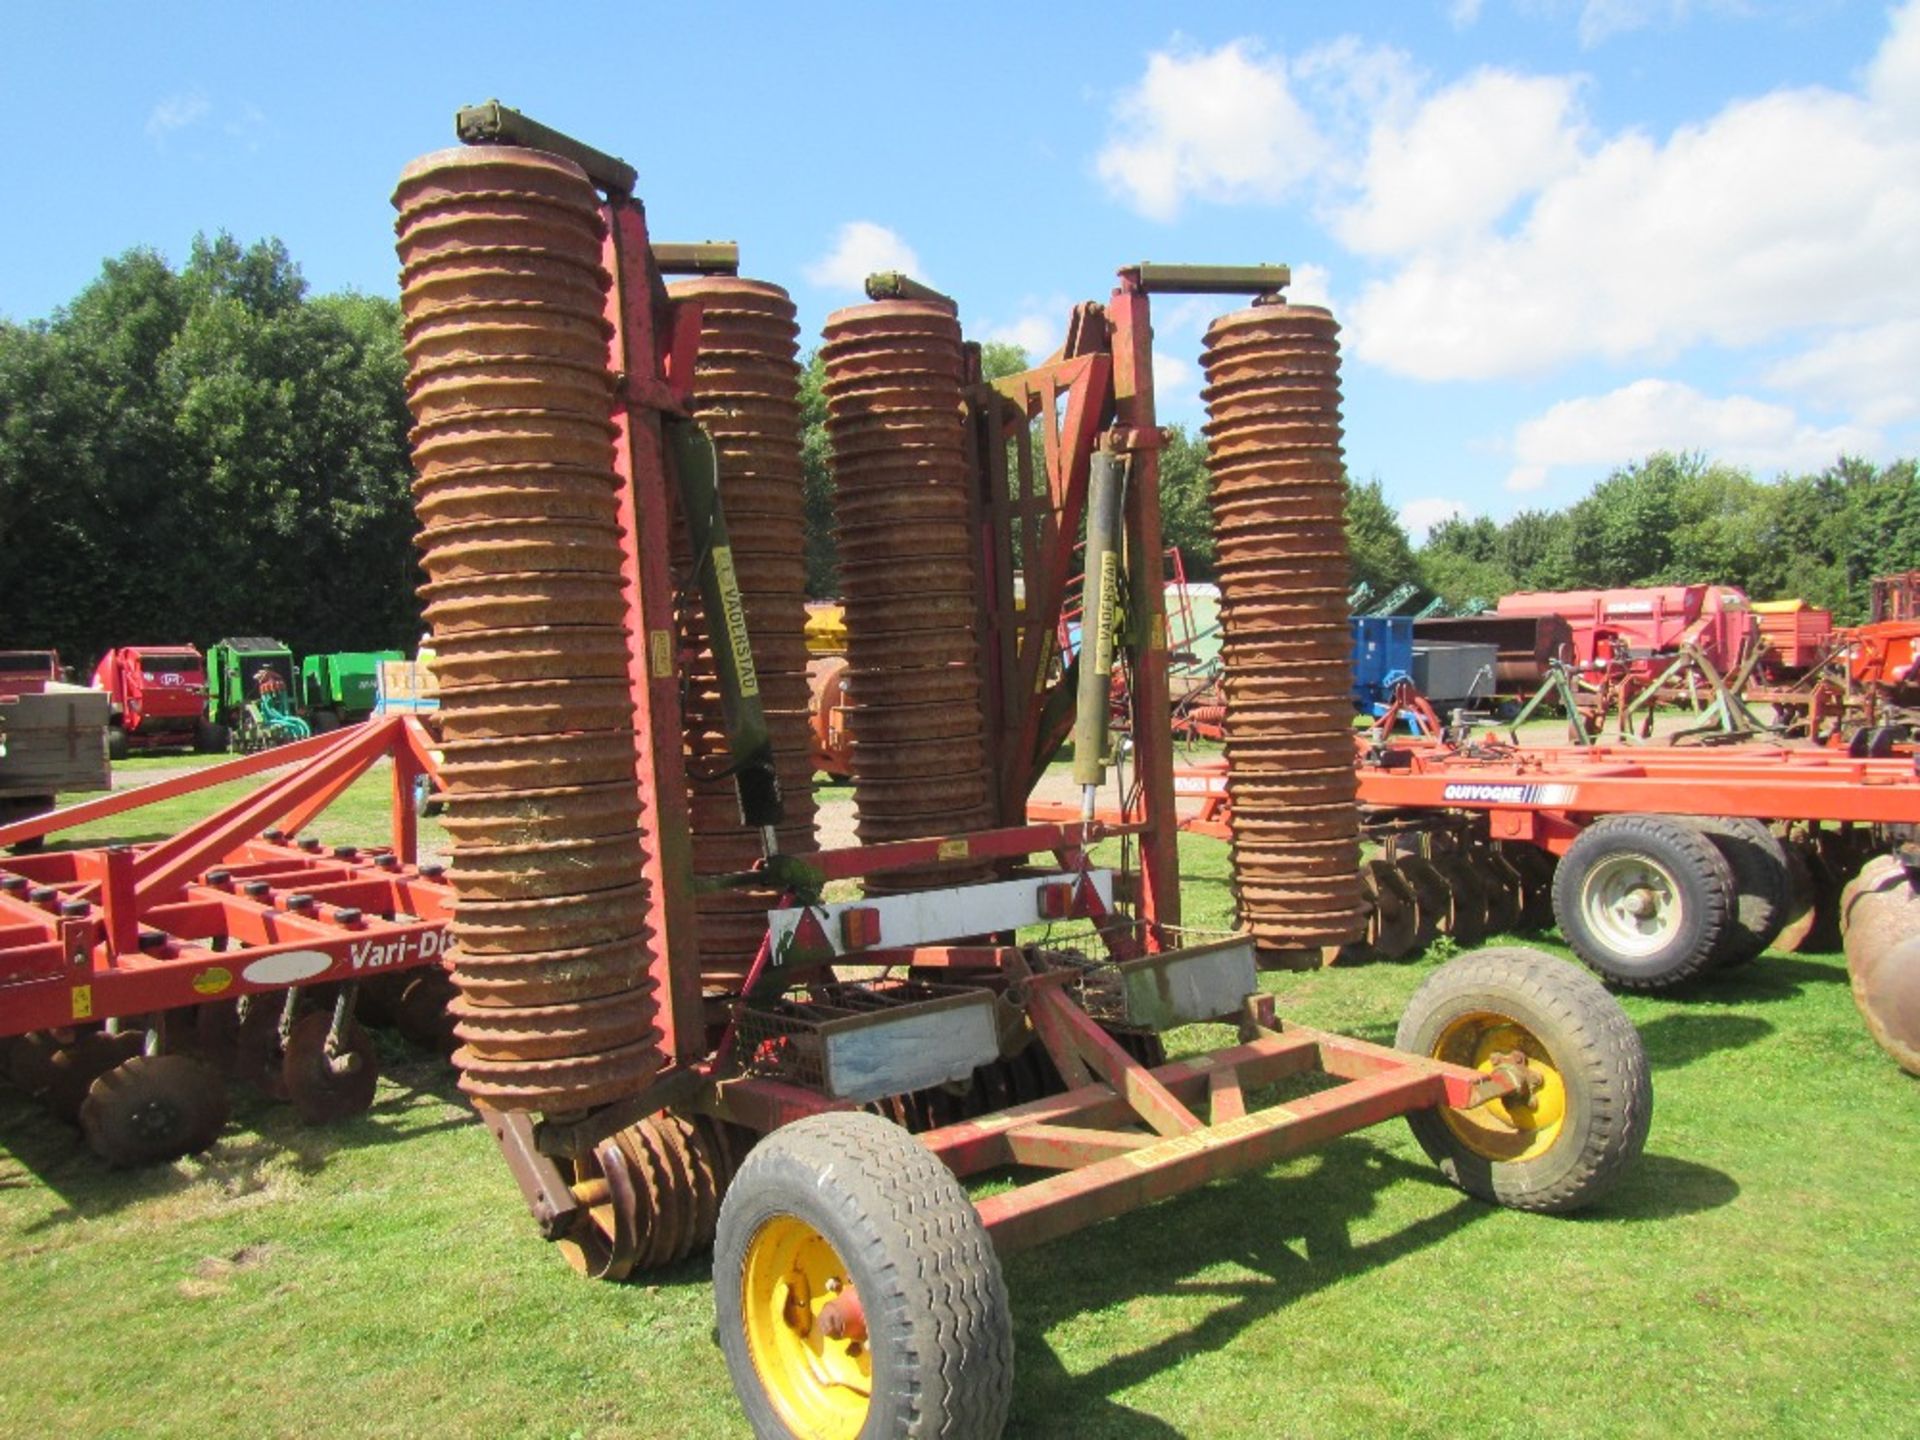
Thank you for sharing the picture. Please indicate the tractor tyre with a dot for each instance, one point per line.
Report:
(209, 738)
(846, 1207)
(1566, 1142)
(325, 721)
(1643, 900)
(118, 746)
(1762, 884)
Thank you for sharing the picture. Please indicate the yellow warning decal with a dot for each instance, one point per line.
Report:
(660, 654)
(212, 980)
(953, 850)
(736, 615)
(83, 1002)
(1158, 640)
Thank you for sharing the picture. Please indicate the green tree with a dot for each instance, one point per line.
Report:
(1376, 541)
(188, 454)
(1186, 493)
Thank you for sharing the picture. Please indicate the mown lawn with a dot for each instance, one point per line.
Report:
(1758, 1273)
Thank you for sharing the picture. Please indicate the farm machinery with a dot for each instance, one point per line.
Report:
(137, 980)
(53, 735)
(342, 687)
(252, 702)
(1659, 866)
(682, 1023)
(157, 698)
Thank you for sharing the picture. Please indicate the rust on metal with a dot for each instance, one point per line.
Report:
(1273, 405)
(505, 334)
(746, 394)
(1880, 917)
(909, 576)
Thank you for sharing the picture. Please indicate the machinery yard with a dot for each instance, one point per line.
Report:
(773, 848)
(1753, 1277)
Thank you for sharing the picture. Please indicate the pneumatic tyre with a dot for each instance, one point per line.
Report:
(855, 1290)
(1643, 900)
(1583, 1122)
(1762, 884)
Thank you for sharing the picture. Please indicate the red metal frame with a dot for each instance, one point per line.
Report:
(228, 907)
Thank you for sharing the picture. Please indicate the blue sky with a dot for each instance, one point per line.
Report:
(1558, 233)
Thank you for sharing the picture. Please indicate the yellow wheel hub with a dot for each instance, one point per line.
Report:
(1513, 1127)
(819, 1384)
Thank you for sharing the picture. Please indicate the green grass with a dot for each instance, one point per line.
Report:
(1756, 1275)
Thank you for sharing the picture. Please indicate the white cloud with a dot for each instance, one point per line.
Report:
(1312, 285)
(1221, 125)
(1794, 208)
(1417, 517)
(1037, 326)
(1462, 14)
(1602, 19)
(1868, 372)
(1462, 161)
(176, 113)
(860, 248)
(1635, 420)
(1176, 384)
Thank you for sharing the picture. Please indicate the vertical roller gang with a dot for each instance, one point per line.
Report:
(1279, 500)
(746, 387)
(504, 300)
(909, 572)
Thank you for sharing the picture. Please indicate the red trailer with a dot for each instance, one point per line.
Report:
(1794, 637)
(158, 695)
(1635, 626)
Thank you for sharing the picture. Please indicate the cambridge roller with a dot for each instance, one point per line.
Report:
(504, 300)
(909, 577)
(746, 385)
(1279, 497)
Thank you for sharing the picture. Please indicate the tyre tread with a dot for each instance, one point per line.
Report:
(1617, 1082)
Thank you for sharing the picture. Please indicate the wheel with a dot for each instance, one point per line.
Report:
(153, 1108)
(1566, 1143)
(117, 744)
(325, 720)
(1643, 900)
(1762, 884)
(856, 1291)
(323, 1090)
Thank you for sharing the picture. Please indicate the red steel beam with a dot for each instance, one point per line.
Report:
(121, 801)
(653, 347)
(1130, 314)
(1060, 1204)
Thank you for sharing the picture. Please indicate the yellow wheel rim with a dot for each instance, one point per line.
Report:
(819, 1386)
(1513, 1127)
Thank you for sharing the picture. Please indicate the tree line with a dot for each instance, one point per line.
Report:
(210, 450)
